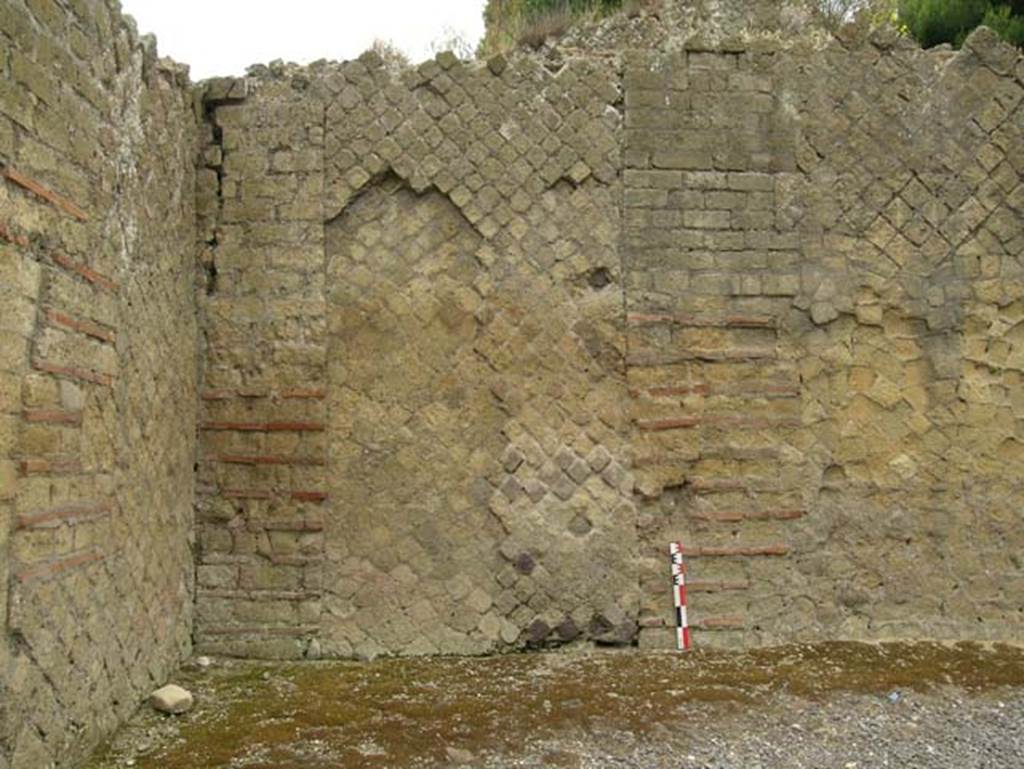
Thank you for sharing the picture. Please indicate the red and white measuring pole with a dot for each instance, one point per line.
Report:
(675, 550)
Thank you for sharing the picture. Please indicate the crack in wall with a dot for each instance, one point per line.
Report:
(213, 159)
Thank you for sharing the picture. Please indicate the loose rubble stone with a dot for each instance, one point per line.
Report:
(459, 755)
(171, 699)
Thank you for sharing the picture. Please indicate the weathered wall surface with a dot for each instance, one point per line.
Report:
(713, 260)
(262, 472)
(97, 390)
(414, 411)
(475, 357)
(823, 252)
(485, 338)
(479, 340)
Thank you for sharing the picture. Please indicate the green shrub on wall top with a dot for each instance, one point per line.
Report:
(933, 22)
(512, 22)
(1009, 24)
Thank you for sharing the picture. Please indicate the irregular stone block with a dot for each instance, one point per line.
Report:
(171, 699)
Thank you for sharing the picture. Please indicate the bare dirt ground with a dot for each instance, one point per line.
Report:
(842, 705)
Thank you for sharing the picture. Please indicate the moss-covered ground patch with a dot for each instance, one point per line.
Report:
(409, 712)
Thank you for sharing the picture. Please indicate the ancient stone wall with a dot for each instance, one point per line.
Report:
(484, 338)
(97, 375)
(824, 280)
(467, 344)
(414, 416)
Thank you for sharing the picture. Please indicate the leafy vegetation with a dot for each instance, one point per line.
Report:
(1008, 22)
(933, 22)
(930, 22)
(869, 14)
(451, 40)
(393, 56)
(511, 23)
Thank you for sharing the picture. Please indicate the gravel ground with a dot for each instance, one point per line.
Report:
(831, 706)
(938, 730)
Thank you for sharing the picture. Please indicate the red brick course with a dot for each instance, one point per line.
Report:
(72, 514)
(264, 427)
(73, 372)
(58, 566)
(53, 416)
(83, 271)
(86, 327)
(718, 552)
(46, 194)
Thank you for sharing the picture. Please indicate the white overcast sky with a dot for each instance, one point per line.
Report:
(223, 37)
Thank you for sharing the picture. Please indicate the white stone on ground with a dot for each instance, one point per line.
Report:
(459, 756)
(171, 699)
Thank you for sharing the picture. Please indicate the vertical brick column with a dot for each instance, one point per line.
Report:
(712, 264)
(262, 426)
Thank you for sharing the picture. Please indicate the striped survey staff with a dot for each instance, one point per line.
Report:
(675, 550)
